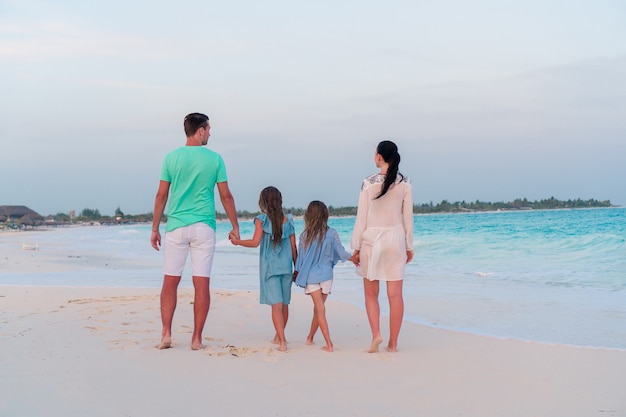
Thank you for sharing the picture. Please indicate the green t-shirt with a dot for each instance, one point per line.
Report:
(192, 172)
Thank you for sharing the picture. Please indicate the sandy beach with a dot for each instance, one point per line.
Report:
(91, 352)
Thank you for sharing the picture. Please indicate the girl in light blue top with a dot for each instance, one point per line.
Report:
(275, 233)
(319, 250)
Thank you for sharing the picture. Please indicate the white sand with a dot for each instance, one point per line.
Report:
(90, 352)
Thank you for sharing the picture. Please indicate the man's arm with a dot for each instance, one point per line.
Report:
(228, 201)
(159, 206)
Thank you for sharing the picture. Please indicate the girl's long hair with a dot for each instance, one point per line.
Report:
(271, 203)
(315, 222)
(389, 152)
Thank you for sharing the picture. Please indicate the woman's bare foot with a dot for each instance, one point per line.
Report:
(282, 347)
(276, 341)
(309, 341)
(166, 343)
(327, 348)
(375, 344)
(392, 349)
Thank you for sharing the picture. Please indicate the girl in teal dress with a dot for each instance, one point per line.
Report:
(275, 234)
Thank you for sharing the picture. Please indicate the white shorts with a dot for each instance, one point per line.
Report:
(197, 239)
(325, 286)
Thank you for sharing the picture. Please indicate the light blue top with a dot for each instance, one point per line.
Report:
(315, 263)
(275, 259)
(193, 172)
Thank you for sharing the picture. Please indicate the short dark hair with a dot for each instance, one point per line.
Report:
(193, 122)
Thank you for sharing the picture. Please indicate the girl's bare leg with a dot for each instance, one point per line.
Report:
(320, 313)
(278, 319)
(276, 339)
(314, 326)
(396, 313)
(370, 289)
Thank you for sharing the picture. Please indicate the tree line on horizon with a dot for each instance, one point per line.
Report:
(94, 215)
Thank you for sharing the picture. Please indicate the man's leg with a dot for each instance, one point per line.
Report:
(169, 295)
(202, 248)
(201, 305)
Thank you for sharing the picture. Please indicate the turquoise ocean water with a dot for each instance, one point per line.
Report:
(555, 276)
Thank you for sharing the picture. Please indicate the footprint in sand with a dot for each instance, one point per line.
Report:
(123, 344)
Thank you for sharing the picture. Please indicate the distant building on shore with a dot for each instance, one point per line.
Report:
(20, 215)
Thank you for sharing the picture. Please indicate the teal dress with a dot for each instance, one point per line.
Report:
(275, 263)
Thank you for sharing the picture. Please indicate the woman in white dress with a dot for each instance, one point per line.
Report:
(382, 240)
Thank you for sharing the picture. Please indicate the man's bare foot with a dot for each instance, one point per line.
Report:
(166, 343)
(375, 344)
(197, 346)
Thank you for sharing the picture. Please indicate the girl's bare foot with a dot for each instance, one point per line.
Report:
(375, 344)
(166, 343)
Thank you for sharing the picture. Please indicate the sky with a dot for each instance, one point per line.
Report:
(486, 100)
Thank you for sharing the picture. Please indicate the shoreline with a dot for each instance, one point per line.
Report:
(100, 342)
(337, 299)
(464, 302)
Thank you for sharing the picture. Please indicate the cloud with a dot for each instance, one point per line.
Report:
(38, 40)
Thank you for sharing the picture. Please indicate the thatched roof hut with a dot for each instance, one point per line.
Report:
(21, 214)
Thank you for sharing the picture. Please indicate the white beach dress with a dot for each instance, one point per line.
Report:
(383, 229)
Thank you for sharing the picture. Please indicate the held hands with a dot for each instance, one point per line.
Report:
(233, 236)
(295, 275)
(355, 258)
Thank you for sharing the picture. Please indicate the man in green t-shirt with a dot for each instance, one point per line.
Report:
(188, 177)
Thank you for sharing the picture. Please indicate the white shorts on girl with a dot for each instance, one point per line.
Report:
(325, 286)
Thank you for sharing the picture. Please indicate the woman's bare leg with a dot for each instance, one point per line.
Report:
(396, 313)
(370, 289)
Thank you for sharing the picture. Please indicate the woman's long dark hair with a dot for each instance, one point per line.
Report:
(389, 152)
(271, 203)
